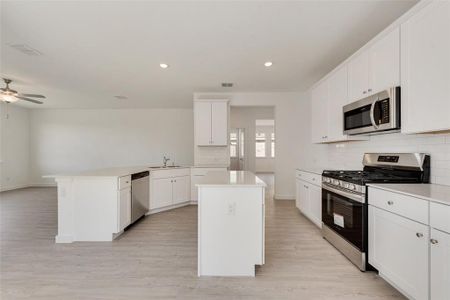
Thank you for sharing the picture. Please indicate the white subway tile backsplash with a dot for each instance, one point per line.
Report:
(349, 155)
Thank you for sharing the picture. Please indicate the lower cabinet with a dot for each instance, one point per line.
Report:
(309, 201)
(440, 265)
(398, 248)
(124, 208)
(169, 191)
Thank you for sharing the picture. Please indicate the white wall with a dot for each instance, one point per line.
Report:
(286, 131)
(67, 140)
(245, 117)
(349, 155)
(14, 146)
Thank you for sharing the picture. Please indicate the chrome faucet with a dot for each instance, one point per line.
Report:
(165, 160)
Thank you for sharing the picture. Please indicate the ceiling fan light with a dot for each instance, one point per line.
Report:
(9, 98)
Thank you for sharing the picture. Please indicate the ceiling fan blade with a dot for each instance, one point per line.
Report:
(30, 100)
(32, 95)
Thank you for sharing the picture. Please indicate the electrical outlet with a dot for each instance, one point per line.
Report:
(231, 209)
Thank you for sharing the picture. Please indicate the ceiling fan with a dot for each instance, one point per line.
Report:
(9, 95)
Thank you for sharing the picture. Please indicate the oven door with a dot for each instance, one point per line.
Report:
(346, 217)
(378, 112)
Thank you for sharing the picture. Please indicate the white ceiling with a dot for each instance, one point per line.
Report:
(95, 50)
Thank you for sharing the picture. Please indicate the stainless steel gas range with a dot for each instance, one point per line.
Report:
(344, 198)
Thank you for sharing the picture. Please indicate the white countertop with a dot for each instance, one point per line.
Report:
(230, 178)
(432, 192)
(314, 170)
(114, 172)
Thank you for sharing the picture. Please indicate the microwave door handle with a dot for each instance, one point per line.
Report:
(372, 113)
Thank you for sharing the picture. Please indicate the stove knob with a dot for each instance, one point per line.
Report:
(351, 186)
(346, 185)
(326, 179)
(335, 182)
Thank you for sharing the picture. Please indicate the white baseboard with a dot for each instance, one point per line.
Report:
(13, 187)
(63, 239)
(27, 185)
(283, 197)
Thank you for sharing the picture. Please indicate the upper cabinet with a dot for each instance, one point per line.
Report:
(425, 67)
(328, 98)
(376, 68)
(211, 122)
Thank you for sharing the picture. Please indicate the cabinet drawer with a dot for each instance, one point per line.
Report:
(124, 182)
(440, 216)
(309, 177)
(409, 207)
(203, 171)
(167, 173)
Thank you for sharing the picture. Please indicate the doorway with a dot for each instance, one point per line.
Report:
(237, 151)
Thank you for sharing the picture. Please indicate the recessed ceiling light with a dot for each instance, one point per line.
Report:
(268, 63)
(164, 66)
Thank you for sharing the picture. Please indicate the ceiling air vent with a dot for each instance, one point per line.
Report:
(25, 49)
(227, 84)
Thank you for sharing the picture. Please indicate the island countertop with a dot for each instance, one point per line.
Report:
(230, 178)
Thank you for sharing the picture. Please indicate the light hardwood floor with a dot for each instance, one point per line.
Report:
(157, 259)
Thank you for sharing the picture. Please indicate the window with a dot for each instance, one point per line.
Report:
(272, 145)
(233, 144)
(260, 144)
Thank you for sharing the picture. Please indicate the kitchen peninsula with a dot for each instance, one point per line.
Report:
(230, 223)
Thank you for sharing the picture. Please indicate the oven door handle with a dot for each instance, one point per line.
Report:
(372, 113)
(352, 196)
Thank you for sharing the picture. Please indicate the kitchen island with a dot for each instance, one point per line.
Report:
(230, 223)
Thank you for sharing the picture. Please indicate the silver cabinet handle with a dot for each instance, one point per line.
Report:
(434, 242)
(419, 235)
(370, 90)
(364, 92)
(391, 202)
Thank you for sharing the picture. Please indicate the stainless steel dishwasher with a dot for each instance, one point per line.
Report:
(139, 195)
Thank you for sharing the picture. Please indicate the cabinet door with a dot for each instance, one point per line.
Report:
(338, 97)
(425, 68)
(315, 205)
(161, 192)
(298, 189)
(384, 63)
(358, 77)
(398, 248)
(440, 265)
(181, 189)
(304, 198)
(319, 113)
(203, 123)
(219, 125)
(124, 212)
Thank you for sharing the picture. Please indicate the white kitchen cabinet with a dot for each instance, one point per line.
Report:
(398, 248)
(384, 62)
(124, 208)
(180, 189)
(211, 122)
(309, 196)
(328, 99)
(376, 68)
(319, 113)
(425, 68)
(161, 192)
(358, 76)
(169, 188)
(440, 265)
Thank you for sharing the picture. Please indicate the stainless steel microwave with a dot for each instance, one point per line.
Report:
(376, 113)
